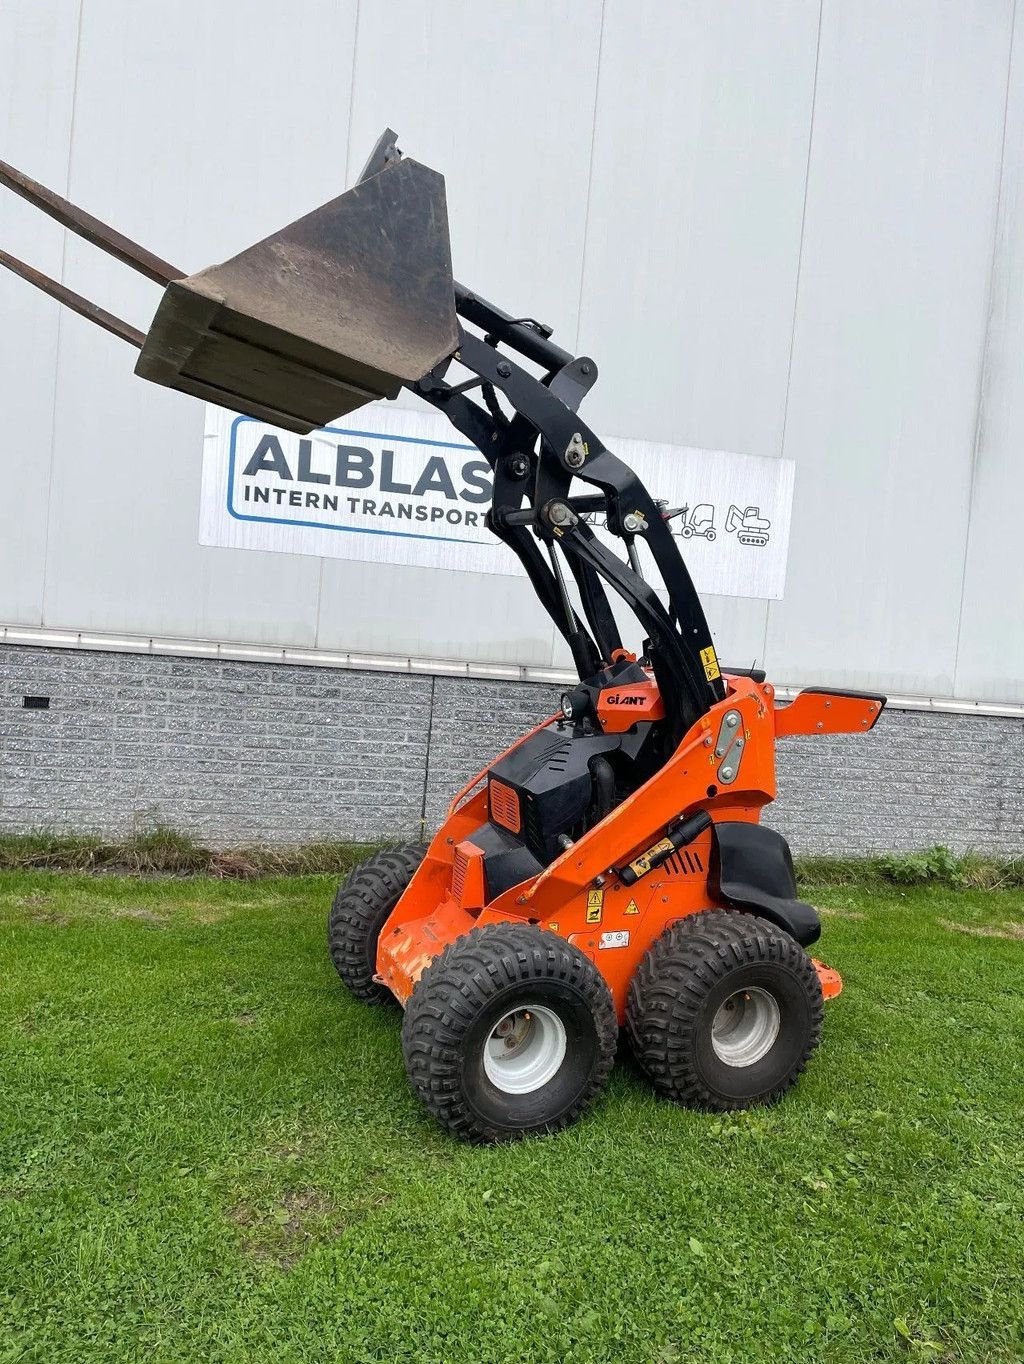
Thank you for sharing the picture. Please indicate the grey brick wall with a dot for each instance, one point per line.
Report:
(230, 752)
(254, 752)
(919, 778)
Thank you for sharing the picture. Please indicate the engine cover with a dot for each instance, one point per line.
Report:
(544, 787)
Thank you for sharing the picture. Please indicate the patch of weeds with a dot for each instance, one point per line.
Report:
(285, 1231)
(914, 869)
(163, 851)
(937, 866)
(923, 1341)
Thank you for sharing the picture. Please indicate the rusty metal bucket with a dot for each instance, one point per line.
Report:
(341, 307)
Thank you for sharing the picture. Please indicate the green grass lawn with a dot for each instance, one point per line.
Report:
(208, 1152)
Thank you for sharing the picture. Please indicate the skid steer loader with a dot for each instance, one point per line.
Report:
(609, 869)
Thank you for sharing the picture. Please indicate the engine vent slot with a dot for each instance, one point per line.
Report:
(459, 875)
(558, 760)
(504, 806)
(685, 863)
(532, 832)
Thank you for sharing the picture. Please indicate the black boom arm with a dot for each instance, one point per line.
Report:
(535, 456)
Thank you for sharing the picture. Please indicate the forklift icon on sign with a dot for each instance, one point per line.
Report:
(701, 521)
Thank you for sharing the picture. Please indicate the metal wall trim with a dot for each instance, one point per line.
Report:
(41, 637)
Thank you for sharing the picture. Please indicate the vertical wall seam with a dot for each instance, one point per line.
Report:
(351, 98)
(60, 324)
(348, 168)
(319, 603)
(799, 273)
(426, 762)
(590, 182)
(986, 344)
(803, 225)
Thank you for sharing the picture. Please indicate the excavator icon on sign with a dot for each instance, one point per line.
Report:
(749, 526)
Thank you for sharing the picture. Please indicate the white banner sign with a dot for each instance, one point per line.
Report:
(400, 487)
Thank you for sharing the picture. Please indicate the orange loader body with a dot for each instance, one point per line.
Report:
(580, 896)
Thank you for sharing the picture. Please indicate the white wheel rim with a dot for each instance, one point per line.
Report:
(745, 1026)
(525, 1049)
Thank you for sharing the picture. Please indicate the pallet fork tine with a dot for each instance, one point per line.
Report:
(98, 234)
(83, 306)
(84, 225)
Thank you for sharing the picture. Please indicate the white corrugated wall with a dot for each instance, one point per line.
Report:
(785, 228)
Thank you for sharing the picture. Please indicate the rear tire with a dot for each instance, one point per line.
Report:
(724, 1011)
(361, 907)
(510, 1031)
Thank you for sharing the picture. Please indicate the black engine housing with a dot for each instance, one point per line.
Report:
(553, 775)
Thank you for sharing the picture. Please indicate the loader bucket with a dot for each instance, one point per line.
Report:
(339, 308)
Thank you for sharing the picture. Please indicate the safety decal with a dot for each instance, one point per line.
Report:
(595, 904)
(631, 908)
(710, 660)
(642, 864)
(618, 938)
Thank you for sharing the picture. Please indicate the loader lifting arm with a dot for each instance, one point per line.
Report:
(356, 301)
(535, 459)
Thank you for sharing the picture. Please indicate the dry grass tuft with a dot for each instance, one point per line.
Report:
(165, 852)
(1014, 932)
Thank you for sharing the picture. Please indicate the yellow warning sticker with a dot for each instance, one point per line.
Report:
(631, 908)
(642, 865)
(595, 903)
(710, 660)
(552, 927)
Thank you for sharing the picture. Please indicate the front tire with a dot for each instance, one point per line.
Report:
(510, 1031)
(724, 1011)
(361, 907)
